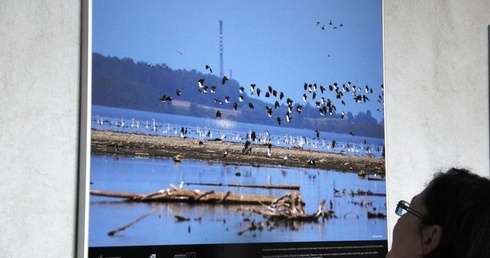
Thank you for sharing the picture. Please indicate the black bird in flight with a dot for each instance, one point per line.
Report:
(322, 89)
(270, 89)
(224, 80)
(299, 108)
(165, 98)
(276, 104)
(209, 68)
(218, 114)
(269, 111)
(252, 89)
(201, 82)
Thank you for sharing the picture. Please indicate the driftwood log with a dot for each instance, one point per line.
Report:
(268, 186)
(291, 207)
(176, 194)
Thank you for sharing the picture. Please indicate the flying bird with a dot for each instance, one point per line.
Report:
(276, 104)
(299, 108)
(252, 89)
(165, 98)
(209, 68)
(201, 82)
(269, 111)
(224, 80)
(322, 89)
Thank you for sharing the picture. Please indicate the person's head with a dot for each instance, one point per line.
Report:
(450, 218)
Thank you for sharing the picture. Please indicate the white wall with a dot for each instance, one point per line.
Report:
(437, 91)
(437, 82)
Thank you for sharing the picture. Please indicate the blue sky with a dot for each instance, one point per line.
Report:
(275, 43)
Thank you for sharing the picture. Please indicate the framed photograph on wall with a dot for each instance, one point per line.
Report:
(232, 129)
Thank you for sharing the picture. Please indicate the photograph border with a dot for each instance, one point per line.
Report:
(221, 250)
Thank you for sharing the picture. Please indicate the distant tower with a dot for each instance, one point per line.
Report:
(221, 73)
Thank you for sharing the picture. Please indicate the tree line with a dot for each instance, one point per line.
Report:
(123, 83)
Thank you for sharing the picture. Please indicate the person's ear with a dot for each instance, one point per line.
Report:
(431, 238)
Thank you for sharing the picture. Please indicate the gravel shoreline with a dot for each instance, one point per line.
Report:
(129, 144)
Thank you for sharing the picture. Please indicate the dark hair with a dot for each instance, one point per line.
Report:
(459, 202)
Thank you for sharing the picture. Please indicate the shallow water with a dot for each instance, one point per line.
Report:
(221, 223)
(135, 121)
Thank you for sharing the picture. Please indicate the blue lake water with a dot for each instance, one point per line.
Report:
(210, 224)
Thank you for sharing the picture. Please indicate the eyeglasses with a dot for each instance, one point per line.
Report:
(403, 207)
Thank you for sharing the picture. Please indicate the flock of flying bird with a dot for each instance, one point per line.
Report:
(312, 92)
(330, 24)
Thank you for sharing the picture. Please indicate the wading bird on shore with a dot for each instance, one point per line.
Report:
(177, 158)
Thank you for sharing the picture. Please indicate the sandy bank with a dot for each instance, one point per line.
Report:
(118, 143)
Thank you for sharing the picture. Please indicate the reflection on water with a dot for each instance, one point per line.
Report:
(221, 223)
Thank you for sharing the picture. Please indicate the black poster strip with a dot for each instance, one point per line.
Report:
(363, 249)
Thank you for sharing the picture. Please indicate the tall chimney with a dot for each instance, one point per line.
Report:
(221, 73)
